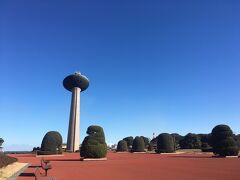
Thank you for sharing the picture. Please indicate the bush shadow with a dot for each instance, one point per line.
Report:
(64, 159)
(191, 157)
(27, 175)
(34, 166)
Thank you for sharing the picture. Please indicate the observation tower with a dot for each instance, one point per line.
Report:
(75, 83)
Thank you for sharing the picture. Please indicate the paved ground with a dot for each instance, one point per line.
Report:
(129, 166)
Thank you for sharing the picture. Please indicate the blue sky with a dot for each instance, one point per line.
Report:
(154, 66)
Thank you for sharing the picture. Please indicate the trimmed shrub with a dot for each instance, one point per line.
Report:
(94, 145)
(36, 149)
(190, 141)
(165, 143)
(153, 142)
(6, 160)
(129, 141)
(177, 138)
(51, 143)
(122, 146)
(138, 144)
(146, 141)
(223, 142)
(237, 139)
(1, 141)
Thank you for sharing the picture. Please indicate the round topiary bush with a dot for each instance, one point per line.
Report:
(94, 145)
(146, 141)
(122, 146)
(129, 141)
(138, 144)
(223, 142)
(165, 143)
(51, 144)
(237, 139)
(177, 138)
(1, 141)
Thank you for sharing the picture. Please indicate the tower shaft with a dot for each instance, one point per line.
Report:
(73, 139)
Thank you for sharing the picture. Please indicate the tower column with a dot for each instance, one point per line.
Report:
(73, 139)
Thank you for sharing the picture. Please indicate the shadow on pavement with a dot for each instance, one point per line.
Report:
(33, 166)
(27, 174)
(186, 156)
(64, 160)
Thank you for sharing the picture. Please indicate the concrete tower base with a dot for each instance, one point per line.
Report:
(73, 140)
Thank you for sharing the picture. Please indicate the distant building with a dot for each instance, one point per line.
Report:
(64, 146)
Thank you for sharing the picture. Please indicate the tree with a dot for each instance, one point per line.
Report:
(51, 143)
(205, 142)
(94, 145)
(129, 141)
(146, 141)
(190, 141)
(122, 146)
(223, 142)
(177, 138)
(150, 147)
(138, 144)
(153, 142)
(1, 141)
(36, 149)
(205, 147)
(165, 143)
(237, 139)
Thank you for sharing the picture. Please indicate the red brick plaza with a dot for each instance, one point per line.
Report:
(130, 166)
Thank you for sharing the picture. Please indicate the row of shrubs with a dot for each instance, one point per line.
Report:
(135, 145)
(93, 146)
(220, 141)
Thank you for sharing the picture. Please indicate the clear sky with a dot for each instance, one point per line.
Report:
(154, 66)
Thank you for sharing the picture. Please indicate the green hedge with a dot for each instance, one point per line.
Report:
(138, 144)
(223, 142)
(129, 141)
(122, 146)
(177, 138)
(146, 141)
(94, 145)
(1, 141)
(165, 143)
(52, 142)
